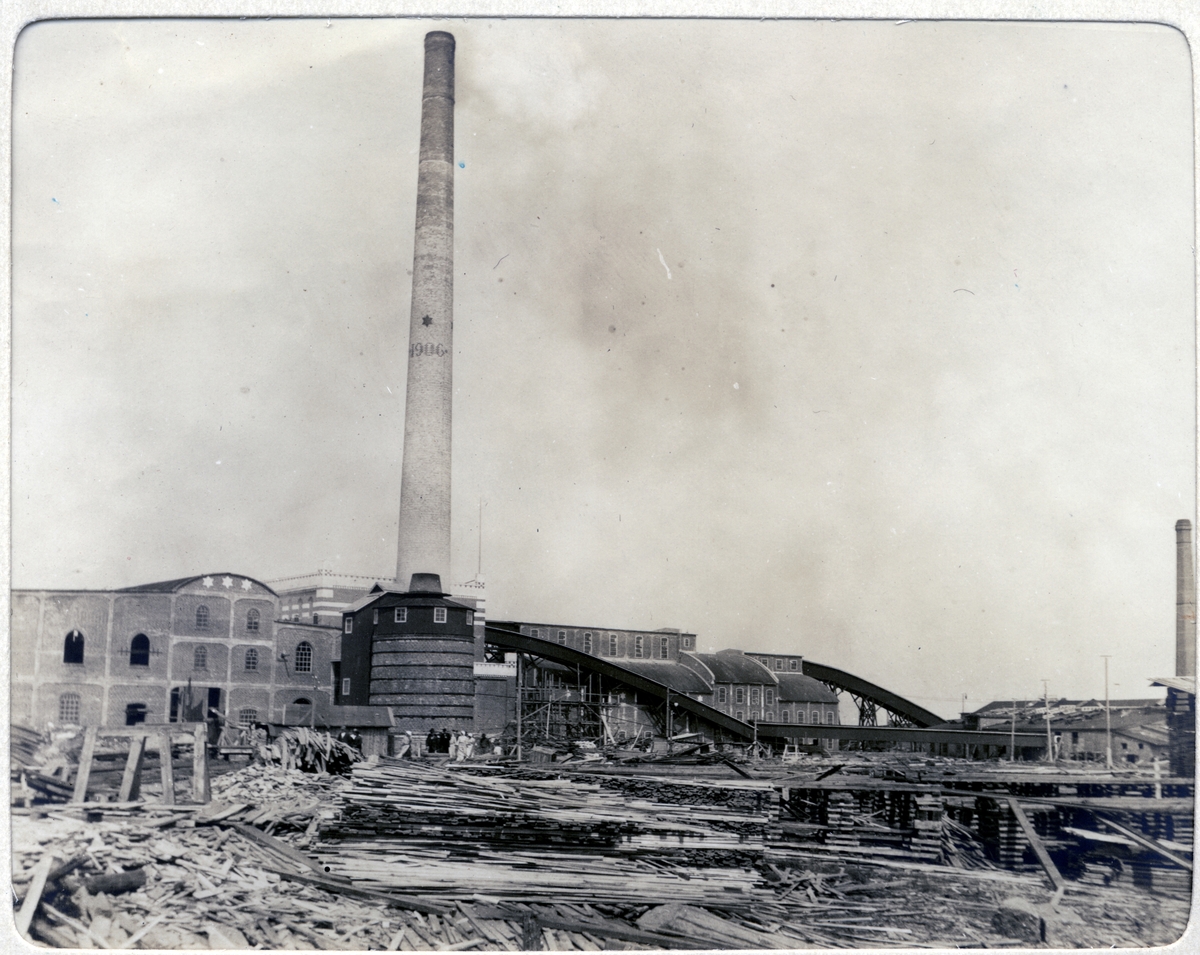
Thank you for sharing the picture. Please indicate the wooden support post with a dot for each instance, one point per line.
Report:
(131, 781)
(1039, 850)
(200, 791)
(85, 765)
(166, 770)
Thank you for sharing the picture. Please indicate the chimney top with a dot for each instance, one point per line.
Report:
(425, 584)
(1183, 525)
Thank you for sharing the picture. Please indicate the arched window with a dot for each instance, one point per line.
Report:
(135, 713)
(612, 644)
(202, 617)
(304, 657)
(73, 647)
(200, 658)
(68, 708)
(829, 716)
(252, 619)
(247, 716)
(252, 659)
(139, 652)
(783, 717)
(587, 643)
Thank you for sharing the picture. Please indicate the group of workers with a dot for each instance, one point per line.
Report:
(459, 746)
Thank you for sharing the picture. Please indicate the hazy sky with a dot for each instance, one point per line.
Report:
(867, 341)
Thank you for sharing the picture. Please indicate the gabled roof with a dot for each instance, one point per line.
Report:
(174, 586)
(1185, 683)
(733, 666)
(798, 688)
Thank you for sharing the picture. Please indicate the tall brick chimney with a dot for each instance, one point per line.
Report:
(424, 538)
(1185, 601)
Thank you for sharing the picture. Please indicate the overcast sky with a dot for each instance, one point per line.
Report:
(866, 341)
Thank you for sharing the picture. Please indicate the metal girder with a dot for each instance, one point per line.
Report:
(860, 688)
(897, 734)
(522, 643)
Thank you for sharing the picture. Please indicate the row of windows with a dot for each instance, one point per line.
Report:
(400, 615)
(792, 664)
(608, 644)
(783, 717)
(739, 695)
(139, 653)
(135, 713)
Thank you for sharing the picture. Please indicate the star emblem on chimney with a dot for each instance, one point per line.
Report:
(426, 321)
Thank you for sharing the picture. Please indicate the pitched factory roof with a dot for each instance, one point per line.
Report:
(733, 666)
(798, 688)
(678, 676)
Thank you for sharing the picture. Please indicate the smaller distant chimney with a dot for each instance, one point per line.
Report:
(432, 584)
(1185, 601)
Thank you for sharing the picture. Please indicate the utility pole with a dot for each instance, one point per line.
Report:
(670, 728)
(519, 706)
(1049, 738)
(1012, 736)
(1107, 717)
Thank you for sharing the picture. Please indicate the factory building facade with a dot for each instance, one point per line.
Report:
(162, 652)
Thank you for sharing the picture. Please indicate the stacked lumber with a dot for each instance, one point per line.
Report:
(434, 805)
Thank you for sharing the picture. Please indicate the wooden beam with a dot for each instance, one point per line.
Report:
(1146, 842)
(131, 781)
(354, 891)
(33, 897)
(166, 768)
(85, 765)
(200, 790)
(1039, 850)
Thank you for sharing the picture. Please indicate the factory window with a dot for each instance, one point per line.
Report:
(316, 619)
(793, 664)
(252, 620)
(1141, 745)
(688, 643)
(1074, 737)
(345, 686)
(247, 716)
(770, 716)
(533, 632)
(348, 625)
(562, 638)
(200, 658)
(829, 716)
(1124, 746)
(587, 643)
(439, 614)
(470, 618)
(638, 645)
(800, 717)
(375, 616)
(739, 715)
(754, 696)
(304, 652)
(721, 694)
(770, 696)
(202, 617)
(251, 661)
(139, 651)
(739, 695)
(783, 716)
(68, 708)
(295, 618)
(401, 615)
(612, 644)
(135, 713)
(778, 663)
(73, 647)
(664, 646)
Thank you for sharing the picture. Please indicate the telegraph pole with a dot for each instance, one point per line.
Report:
(1107, 717)
(1049, 738)
(1012, 736)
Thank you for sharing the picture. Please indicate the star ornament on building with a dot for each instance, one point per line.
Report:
(245, 585)
(208, 581)
(426, 321)
(227, 582)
